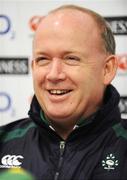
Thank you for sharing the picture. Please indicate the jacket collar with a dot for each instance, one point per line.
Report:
(109, 109)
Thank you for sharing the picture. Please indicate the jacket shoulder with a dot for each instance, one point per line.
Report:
(16, 129)
(121, 129)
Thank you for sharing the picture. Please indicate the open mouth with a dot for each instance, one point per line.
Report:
(59, 92)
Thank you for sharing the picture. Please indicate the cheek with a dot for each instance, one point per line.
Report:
(89, 81)
(38, 76)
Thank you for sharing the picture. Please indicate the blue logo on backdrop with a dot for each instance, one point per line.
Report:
(5, 101)
(5, 24)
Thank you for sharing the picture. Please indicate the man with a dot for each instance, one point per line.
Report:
(74, 130)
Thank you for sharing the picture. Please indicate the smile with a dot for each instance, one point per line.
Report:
(58, 91)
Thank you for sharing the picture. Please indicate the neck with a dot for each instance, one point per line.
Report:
(62, 130)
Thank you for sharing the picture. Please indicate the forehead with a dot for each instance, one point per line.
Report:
(71, 18)
(68, 28)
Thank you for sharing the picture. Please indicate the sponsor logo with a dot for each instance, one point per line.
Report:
(5, 100)
(122, 63)
(14, 65)
(118, 24)
(34, 22)
(6, 104)
(123, 106)
(11, 161)
(5, 24)
(110, 162)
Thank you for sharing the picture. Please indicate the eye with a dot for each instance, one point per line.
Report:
(72, 60)
(42, 60)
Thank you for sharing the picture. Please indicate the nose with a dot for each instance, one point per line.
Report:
(56, 72)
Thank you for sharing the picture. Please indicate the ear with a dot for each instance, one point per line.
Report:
(110, 68)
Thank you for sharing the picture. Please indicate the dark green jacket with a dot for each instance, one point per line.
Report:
(95, 150)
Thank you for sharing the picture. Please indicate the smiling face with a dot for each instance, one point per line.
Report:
(68, 66)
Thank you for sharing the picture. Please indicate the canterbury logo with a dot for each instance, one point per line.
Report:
(11, 161)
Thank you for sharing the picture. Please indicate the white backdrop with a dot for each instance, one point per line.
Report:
(16, 34)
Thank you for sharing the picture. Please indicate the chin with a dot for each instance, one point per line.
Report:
(58, 117)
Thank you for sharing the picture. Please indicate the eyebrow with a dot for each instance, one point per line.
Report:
(64, 52)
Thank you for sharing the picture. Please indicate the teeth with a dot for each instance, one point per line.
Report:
(58, 92)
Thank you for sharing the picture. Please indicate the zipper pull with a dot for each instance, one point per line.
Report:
(62, 147)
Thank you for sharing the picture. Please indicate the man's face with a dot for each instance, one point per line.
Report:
(68, 66)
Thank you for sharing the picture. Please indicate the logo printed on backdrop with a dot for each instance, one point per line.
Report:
(11, 161)
(118, 24)
(6, 104)
(14, 65)
(123, 106)
(5, 101)
(122, 64)
(5, 26)
(34, 22)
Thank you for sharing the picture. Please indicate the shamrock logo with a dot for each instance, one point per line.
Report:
(110, 162)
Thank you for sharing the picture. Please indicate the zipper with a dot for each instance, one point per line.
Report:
(62, 148)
